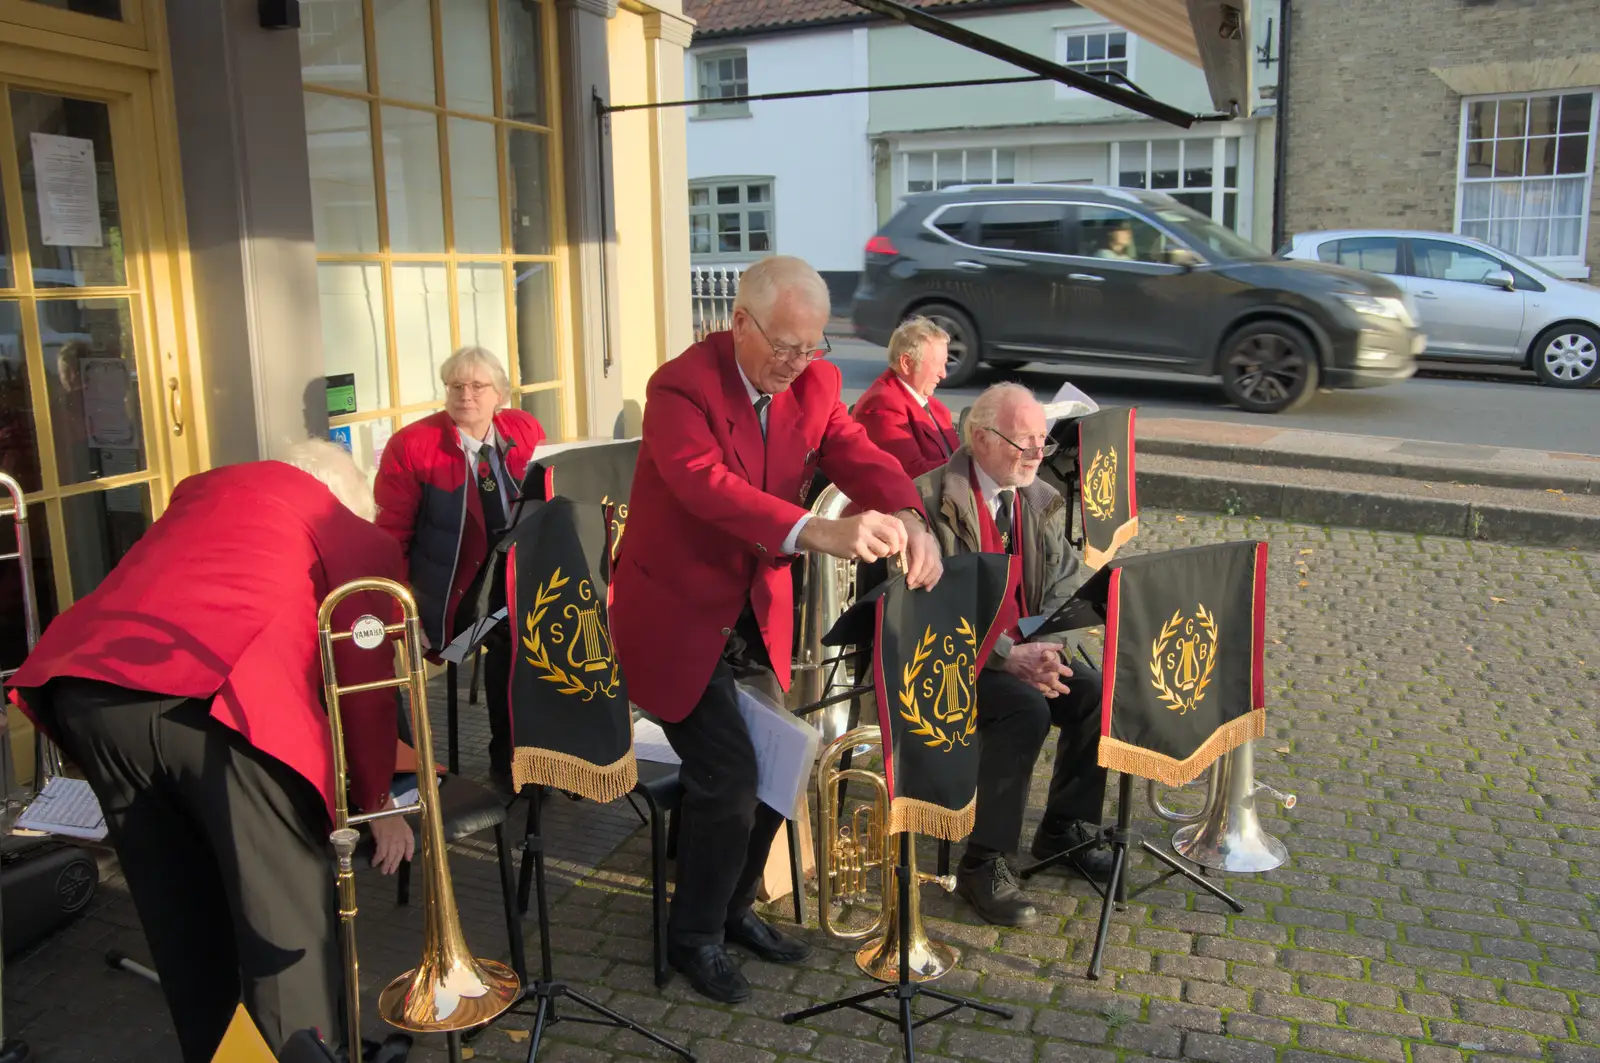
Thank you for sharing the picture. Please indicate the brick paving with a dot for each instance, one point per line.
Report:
(1432, 702)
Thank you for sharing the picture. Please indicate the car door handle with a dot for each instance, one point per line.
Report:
(971, 266)
(1426, 295)
(1096, 278)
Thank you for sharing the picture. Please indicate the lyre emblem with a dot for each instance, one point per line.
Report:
(1100, 485)
(1182, 658)
(589, 648)
(589, 653)
(954, 719)
(955, 693)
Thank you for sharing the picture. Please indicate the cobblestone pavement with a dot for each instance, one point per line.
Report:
(1432, 703)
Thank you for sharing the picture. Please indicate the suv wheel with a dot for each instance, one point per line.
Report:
(965, 356)
(1568, 356)
(1269, 367)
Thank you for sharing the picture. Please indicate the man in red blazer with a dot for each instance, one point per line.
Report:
(734, 430)
(899, 411)
(188, 689)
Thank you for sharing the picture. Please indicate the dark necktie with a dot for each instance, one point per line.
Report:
(494, 511)
(1002, 519)
(762, 402)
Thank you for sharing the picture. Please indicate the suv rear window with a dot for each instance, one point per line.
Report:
(952, 220)
(1022, 227)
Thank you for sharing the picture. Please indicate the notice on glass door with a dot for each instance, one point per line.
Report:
(68, 188)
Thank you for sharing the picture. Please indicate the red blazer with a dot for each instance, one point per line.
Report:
(219, 599)
(921, 439)
(710, 508)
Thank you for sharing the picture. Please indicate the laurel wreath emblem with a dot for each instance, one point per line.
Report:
(1100, 485)
(935, 735)
(1173, 699)
(543, 598)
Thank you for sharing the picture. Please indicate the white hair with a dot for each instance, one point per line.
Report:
(461, 364)
(986, 408)
(911, 339)
(334, 469)
(763, 284)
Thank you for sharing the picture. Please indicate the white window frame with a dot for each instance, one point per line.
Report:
(719, 110)
(1066, 33)
(1570, 266)
(967, 155)
(770, 205)
(1218, 148)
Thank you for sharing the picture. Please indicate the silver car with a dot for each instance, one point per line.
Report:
(1475, 301)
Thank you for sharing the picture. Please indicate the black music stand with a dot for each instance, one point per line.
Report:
(903, 991)
(542, 993)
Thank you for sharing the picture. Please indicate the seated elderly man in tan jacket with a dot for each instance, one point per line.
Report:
(988, 498)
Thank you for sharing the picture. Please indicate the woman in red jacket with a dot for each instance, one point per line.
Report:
(187, 686)
(444, 491)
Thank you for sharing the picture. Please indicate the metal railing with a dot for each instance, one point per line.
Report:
(712, 291)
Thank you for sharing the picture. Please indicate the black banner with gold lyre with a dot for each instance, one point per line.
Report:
(1185, 640)
(570, 723)
(928, 645)
(600, 472)
(1108, 504)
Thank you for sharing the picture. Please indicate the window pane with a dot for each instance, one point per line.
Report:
(353, 331)
(1450, 262)
(1564, 234)
(1096, 44)
(1570, 195)
(758, 193)
(1475, 201)
(101, 528)
(700, 234)
(1376, 254)
(1513, 120)
(919, 171)
(421, 329)
(699, 197)
(1533, 240)
(728, 194)
(728, 234)
(474, 187)
(947, 165)
(1117, 46)
(1109, 233)
(546, 407)
(536, 323)
(19, 446)
(1542, 115)
(482, 291)
(980, 166)
(411, 172)
(6, 278)
(404, 30)
(1022, 227)
(333, 49)
(1164, 164)
(69, 190)
(1575, 112)
(522, 61)
(93, 384)
(13, 631)
(1230, 210)
(1480, 120)
(950, 222)
(1075, 48)
(343, 203)
(1541, 156)
(528, 184)
(1508, 158)
(1480, 158)
(1572, 155)
(468, 74)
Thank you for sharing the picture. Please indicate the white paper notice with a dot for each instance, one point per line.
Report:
(650, 743)
(69, 191)
(786, 749)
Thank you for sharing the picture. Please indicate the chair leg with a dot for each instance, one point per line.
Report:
(797, 873)
(519, 958)
(525, 866)
(672, 835)
(944, 857)
(472, 687)
(451, 696)
(659, 842)
(403, 884)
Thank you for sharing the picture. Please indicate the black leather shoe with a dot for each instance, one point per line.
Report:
(991, 888)
(711, 971)
(765, 940)
(1096, 860)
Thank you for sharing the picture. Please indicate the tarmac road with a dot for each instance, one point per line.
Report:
(1444, 403)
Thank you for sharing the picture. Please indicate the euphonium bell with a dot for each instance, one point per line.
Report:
(1226, 834)
(450, 990)
(847, 855)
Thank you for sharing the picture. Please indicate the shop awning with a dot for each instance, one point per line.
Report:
(1214, 35)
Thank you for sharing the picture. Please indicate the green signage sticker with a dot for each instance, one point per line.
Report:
(341, 394)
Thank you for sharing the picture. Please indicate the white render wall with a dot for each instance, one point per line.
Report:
(815, 149)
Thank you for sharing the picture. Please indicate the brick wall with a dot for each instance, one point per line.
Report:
(1373, 133)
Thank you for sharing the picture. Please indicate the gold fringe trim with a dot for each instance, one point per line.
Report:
(1136, 760)
(545, 767)
(1095, 557)
(934, 821)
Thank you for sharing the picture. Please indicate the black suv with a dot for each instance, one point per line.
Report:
(1122, 277)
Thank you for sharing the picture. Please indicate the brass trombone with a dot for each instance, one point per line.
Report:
(450, 990)
(845, 859)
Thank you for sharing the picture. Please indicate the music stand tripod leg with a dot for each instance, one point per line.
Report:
(904, 991)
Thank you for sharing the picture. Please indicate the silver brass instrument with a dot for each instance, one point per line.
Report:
(1226, 834)
(450, 990)
(848, 854)
(828, 588)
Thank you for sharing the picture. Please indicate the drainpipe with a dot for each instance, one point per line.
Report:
(1278, 133)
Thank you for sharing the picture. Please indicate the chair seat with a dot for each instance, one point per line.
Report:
(660, 783)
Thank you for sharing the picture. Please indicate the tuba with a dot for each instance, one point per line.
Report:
(1226, 834)
(847, 856)
(827, 589)
(450, 990)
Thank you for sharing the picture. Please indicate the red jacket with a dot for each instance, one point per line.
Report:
(921, 439)
(709, 511)
(430, 507)
(219, 599)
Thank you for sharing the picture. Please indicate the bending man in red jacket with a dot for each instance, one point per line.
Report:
(899, 411)
(734, 430)
(188, 689)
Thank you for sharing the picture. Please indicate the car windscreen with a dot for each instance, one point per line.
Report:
(1223, 241)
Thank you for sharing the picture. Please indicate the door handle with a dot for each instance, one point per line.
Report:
(971, 266)
(1426, 295)
(174, 406)
(1096, 278)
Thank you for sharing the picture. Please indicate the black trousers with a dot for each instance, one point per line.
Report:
(1013, 721)
(724, 830)
(225, 854)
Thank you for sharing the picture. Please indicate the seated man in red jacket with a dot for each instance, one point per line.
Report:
(188, 689)
(899, 411)
(734, 430)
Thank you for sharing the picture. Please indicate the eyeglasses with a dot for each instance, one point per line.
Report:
(1043, 451)
(476, 388)
(792, 354)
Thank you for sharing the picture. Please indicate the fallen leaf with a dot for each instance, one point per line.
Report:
(1303, 553)
(1492, 598)
(518, 1036)
(1471, 650)
(1281, 749)
(1303, 583)
(1180, 518)
(1277, 642)
(1554, 491)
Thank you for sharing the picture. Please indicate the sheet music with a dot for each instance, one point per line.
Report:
(469, 639)
(650, 743)
(67, 807)
(786, 748)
